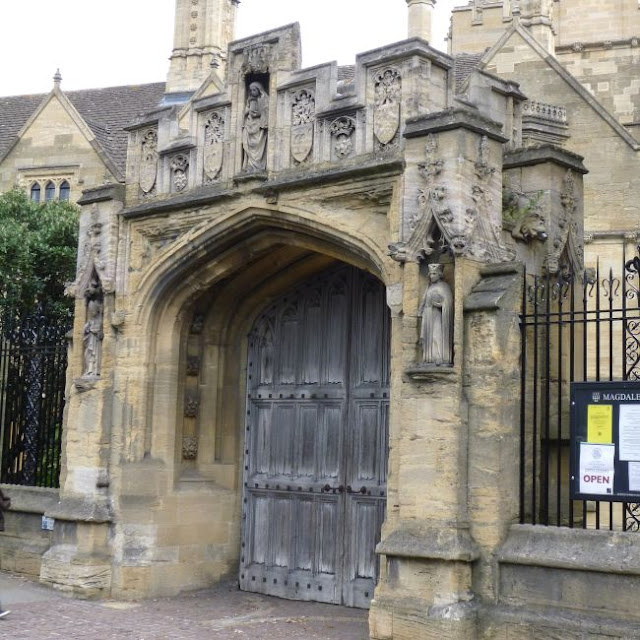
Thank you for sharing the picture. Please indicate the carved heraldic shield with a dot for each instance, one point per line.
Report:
(213, 146)
(386, 119)
(302, 124)
(149, 161)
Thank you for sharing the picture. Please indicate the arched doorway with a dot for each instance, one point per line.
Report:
(316, 443)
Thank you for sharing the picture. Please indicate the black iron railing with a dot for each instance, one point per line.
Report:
(575, 327)
(33, 362)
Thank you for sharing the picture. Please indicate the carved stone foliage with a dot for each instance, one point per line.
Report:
(179, 172)
(197, 324)
(193, 366)
(423, 237)
(94, 255)
(484, 240)
(386, 114)
(523, 215)
(461, 228)
(214, 134)
(149, 161)
(303, 117)
(191, 405)
(567, 250)
(189, 447)
(256, 59)
(342, 137)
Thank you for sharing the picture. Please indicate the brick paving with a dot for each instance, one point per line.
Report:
(222, 612)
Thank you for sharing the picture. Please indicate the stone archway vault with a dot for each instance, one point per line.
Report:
(187, 447)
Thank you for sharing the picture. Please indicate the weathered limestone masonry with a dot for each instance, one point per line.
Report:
(265, 178)
(576, 60)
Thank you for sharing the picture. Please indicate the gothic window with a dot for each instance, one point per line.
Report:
(35, 192)
(49, 191)
(65, 191)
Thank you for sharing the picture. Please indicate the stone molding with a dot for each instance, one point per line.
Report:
(429, 543)
(454, 119)
(545, 153)
(557, 547)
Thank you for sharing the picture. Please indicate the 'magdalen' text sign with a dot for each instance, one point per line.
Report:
(605, 441)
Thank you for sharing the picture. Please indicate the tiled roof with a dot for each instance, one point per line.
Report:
(106, 112)
(464, 65)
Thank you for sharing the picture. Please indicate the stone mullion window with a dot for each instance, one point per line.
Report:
(35, 192)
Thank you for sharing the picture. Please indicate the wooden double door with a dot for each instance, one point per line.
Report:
(317, 441)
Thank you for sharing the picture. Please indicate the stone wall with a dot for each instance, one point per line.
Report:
(23, 542)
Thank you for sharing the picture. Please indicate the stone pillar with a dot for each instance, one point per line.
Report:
(420, 18)
(544, 212)
(203, 30)
(79, 560)
(452, 216)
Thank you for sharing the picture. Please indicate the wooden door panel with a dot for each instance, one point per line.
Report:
(330, 442)
(366, 516)
(305, 441)
(315, 464)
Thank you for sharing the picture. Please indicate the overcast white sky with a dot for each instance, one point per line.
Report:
(102, 44)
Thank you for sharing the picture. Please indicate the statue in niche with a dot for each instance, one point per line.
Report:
(93, 333)
(436, 312)
(255, 130)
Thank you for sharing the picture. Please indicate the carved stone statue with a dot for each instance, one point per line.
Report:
(93, 332)
(436, 311)
(255, 130)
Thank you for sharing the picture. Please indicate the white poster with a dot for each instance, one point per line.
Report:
(596, 468)
(629, 432)
(634, 476)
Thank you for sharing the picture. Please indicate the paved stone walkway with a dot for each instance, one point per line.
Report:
(38, 613)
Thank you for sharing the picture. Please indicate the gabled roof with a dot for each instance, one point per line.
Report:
(571, 80)
(105, 111)
(464, 64)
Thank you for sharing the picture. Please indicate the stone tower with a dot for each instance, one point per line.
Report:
(203, 29)
(538, 16)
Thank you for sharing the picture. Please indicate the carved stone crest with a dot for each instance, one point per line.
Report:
(189, 447)
(149, 161)
(179, 173)
(386, 114)
(193, 366)
(342, 130)
(191, 405)
(213, 146)
(303, 109)
(256, 59)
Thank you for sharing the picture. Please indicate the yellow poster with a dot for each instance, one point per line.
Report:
(600, 424)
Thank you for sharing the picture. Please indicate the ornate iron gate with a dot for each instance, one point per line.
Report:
(33, 362)
(575, 327)
(317, 441)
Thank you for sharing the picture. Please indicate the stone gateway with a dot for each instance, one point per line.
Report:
(297, 355)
